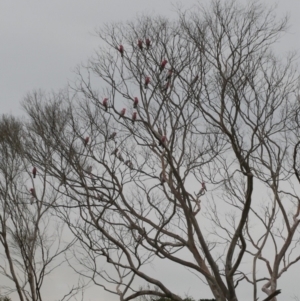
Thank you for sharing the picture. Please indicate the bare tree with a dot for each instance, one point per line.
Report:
(194, 118)
(30, 236)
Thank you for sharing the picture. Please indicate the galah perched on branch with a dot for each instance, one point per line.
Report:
(105, 104)
(86, 141)
(130, 165)
(122, 113)
(163, 65)
(134, 117)
(135, 102)
(140, 44)
(32, 192)
(34, 170)
(163, 141)
(120, 157)
(112, 136)
(169, 75)
(115, 152)
(162, 178)
(148, 43)
(121, 50)
(147, 81)
(33, 195)
(202, 190)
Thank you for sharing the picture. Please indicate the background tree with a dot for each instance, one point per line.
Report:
(30, 236)
(194, 115)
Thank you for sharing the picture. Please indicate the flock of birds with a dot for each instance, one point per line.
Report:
(161, 137)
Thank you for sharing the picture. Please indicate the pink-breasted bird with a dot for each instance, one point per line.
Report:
(32, 192)
(130, 165)
(140, 44)
(147, 81)
(121, 50)
(148, 43)
(122, 113)
(86, 141)
(162, 178)
(120, 157)
(135, 102)
(105, 104)
(162, 141)
(34, 170)
(134, 115)
(202, 190)
(163, 65)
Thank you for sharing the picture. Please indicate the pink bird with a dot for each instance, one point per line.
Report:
(162, 141)
(34, 170)
(32, 192)
(162, 178)
(122, 113)
(169, 75)
(147, 81)
(202, 190)
(135, 102)
(104, 102)
(121, 50)
(148, 43)
(163, 65)
(140, 44)
(133, 117)
(112, 136)
(86, 141)
(120, 157)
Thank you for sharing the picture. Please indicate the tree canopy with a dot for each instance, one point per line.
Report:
(179, 141)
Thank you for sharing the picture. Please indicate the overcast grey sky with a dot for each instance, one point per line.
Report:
(43, 41)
